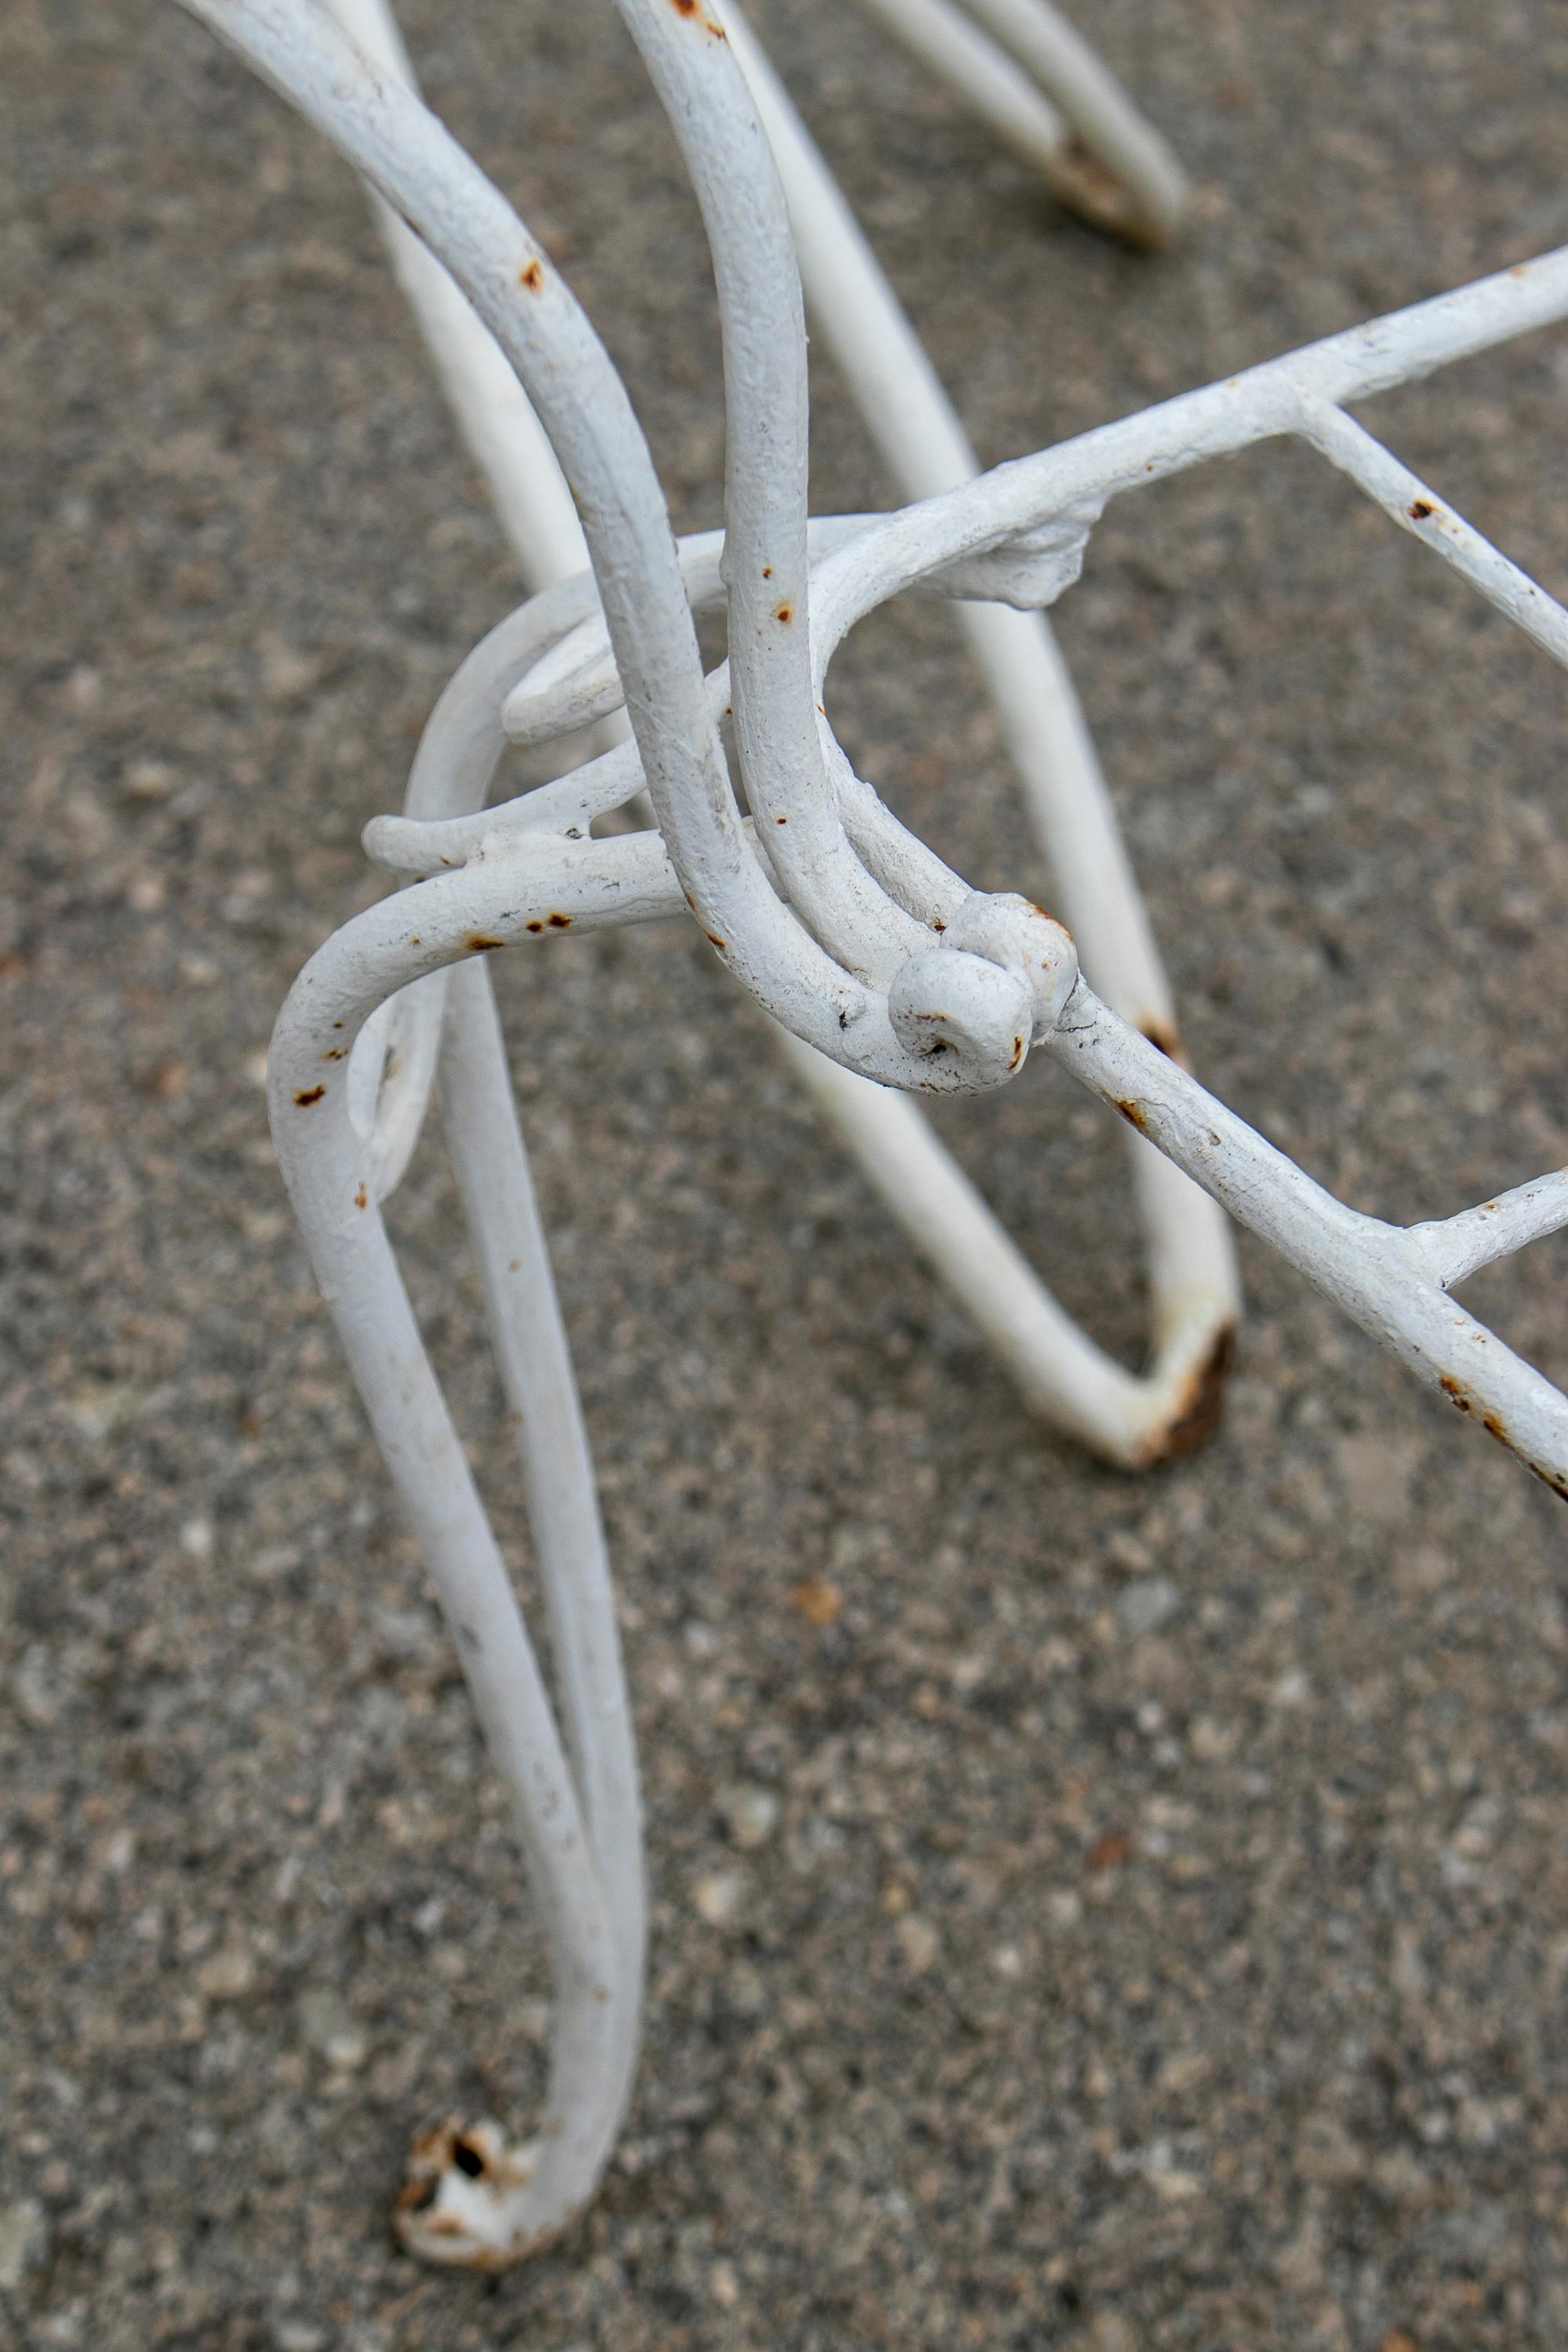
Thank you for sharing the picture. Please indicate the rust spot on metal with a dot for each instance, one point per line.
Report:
(1419, 509)
(768, 572)
(937, 924)
(535, 926)
(532, 278)
(305, 1096)
(1132, 1115)
(1017, 1052)
(1499, 1429)
(1196, 1412)
(559, 923)
(480, 942)
(362, 1199)
(786, 613)
(781, 820)
(337, 1025)
(715, 941)
(1110, 1852)
(334, 1053)
(471, 2152)
(447, 2225)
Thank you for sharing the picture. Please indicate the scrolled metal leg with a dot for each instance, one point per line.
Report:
(471, 2199)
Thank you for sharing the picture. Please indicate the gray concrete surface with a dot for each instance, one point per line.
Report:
(1160, 1935)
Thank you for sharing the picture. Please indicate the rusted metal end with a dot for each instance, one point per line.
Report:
(452, 2208)
(1199, 1405)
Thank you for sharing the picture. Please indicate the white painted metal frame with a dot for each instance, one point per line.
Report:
(841, 923)
(1132, 1420)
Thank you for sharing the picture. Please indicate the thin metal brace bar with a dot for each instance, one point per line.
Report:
(1453, 1248)
(1408, 500)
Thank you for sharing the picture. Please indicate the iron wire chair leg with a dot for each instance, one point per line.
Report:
(471, 2199)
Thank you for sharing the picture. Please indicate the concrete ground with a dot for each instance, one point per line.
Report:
(1156, 1937)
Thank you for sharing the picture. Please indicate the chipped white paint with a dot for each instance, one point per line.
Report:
(840, 923)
